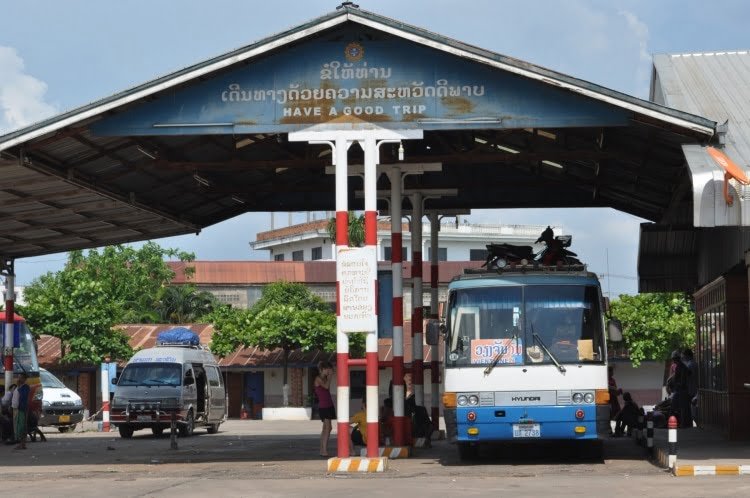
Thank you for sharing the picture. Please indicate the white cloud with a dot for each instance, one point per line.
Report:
(640, 32)
(21, 95)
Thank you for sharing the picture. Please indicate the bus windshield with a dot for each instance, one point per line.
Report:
(24, 353)
(524, 325)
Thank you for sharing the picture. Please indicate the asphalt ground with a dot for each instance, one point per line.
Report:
(280, 458)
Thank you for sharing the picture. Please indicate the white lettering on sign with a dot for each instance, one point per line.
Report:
(357, 273)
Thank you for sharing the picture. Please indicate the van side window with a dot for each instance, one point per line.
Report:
(214, 379)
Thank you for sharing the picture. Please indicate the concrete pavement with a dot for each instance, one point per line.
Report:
(703, 452)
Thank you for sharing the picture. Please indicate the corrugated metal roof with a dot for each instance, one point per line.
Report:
(715, 85)
(711, 84)
(64, 187)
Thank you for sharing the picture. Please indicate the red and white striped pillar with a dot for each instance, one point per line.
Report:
(342, 340)
(399, 427)
(417, 363)
(371, 340)
(434, 350)
(105, 396)
(10, 298)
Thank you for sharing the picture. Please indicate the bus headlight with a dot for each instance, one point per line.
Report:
(577, 398)
(473, 400)
(588, 398)
(462, 400)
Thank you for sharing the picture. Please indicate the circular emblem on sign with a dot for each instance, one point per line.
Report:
(354, 52)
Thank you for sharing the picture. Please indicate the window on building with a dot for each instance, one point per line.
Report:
(387, 254)
(317, 253)
(477, 254)
(298, 255)
(278, 257)
(442, 254)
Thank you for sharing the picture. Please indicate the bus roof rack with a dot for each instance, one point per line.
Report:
(527, 268)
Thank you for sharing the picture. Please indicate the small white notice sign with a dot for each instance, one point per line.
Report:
(357, 273)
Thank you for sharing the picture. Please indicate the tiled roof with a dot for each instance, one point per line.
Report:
(313, 226)
(255, 272)
(144, 336)
(306, 272)
(279, 233)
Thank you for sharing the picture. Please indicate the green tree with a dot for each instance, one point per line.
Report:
(81, 303)
(183, 304)
(287, 316)
(75, 309)
(653, 325)
(356, 229)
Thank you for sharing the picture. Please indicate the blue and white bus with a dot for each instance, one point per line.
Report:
(525, 358)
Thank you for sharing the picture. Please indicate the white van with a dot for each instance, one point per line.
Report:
(61, 407)
(171, 378)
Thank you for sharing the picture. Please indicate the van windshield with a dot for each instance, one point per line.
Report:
(151, 374)
(49, 380)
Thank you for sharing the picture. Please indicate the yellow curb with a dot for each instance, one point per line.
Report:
(357, 464)
(389, 452)
(711, 470)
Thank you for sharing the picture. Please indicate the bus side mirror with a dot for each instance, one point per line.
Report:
(432, 338)
(114, 380)
(189, 381)
(614, 330)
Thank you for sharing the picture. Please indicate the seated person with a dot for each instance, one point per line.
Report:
(627, 418)
(660, 414)
(359, 423)
(421, 425)
(564, 344)
(386, 422)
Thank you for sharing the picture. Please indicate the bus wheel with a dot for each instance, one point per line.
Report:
(212, 429)
(126, 431)
(157, 430)
(593, 450)
(186, 429)
(468, 451)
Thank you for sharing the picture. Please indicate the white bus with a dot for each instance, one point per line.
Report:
(525, 357)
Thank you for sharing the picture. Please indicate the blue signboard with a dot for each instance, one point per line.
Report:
(385, 304)
(390, 83)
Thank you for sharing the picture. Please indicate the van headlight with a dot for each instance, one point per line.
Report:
(46, 403)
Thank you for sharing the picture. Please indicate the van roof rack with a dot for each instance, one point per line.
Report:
(527, 268)
(181, 345)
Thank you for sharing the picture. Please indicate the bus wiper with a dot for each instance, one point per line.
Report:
(538, 339)
(493, 364)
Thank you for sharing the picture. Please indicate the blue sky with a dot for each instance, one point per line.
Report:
(56, 56)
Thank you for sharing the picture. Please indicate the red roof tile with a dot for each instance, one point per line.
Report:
(144, 336)
(307, 272)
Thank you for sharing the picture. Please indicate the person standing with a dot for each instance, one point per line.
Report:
(692, 382)
(614, 393)
(325, 403)
(20, 404)
(678, 386)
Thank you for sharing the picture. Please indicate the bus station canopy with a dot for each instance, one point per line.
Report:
(209, 142)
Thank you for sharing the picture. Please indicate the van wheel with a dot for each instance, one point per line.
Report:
(67, 428)
(213, 428)
(157, 430)
(186, 428)
(126, 431)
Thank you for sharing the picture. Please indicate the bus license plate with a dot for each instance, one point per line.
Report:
(145, 418)
(63, 419)
(527, 430)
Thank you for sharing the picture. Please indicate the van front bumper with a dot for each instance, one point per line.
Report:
(52, 416)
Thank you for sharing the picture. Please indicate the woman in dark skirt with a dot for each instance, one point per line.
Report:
(325, 403)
